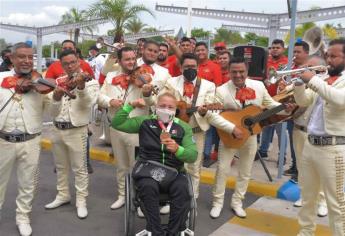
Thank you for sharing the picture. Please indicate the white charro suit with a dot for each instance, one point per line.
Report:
(226, 95)
(23, 114)
(324, 166)
(206, 96)
(123, 144)
(69, 145)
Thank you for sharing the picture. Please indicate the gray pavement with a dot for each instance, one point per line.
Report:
(101, 221)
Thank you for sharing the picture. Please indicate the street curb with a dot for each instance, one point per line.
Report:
(206, 177)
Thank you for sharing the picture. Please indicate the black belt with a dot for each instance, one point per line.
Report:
(16, 138)
(326, 140)
(300, 127)
(196, 130)
(64, 125)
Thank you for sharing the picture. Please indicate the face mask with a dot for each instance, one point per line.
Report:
(165, 115)
(190, 74)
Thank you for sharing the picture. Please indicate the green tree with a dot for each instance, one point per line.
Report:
(119, 12)
(229, 37)
(300, 30)
(135, 26)
(330, 31)
(200, 33)
(75, 16)
(259, 40)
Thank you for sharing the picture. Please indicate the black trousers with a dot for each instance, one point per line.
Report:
(149, 190)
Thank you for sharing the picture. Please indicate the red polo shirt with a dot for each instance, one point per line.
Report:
(55, 70)
(272, 66)
(174, 66)
(225, 76)
(210, 71)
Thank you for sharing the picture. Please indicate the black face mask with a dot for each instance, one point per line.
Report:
(190, 74)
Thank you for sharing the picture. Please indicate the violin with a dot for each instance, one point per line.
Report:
(140, 76)
(34, 81)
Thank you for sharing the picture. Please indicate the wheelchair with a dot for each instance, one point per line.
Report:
(132, 202)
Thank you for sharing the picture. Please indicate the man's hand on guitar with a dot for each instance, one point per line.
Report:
(140, 103)
(202, 110)
(116, 103)
(170, 144)
(237, 133)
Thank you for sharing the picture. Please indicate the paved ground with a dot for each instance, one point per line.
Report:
(101, 221)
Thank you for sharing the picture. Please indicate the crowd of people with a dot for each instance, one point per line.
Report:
(157, 96)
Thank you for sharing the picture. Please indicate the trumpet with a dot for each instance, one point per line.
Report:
(321, 70)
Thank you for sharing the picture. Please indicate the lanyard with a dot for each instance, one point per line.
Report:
(164, 130)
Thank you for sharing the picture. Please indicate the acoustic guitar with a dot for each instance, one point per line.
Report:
(184, 111)
(250, 120)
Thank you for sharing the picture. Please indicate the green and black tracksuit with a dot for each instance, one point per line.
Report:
(150, 148)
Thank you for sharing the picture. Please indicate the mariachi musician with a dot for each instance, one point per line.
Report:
(21, 118)
(237, 94)
(192, 91)
(323, 164)
(69, 139)
(118, 89)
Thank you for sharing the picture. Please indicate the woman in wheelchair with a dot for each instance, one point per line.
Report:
(165, 144)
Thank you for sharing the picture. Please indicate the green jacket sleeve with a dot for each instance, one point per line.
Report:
(122, 122)
(187, 152)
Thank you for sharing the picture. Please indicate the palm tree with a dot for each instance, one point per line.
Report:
(119, 12)
(329, 31)
(135, 26)
(75, 16)
(300, 30)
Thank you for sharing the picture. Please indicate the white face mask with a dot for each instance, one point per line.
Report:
(165, 115)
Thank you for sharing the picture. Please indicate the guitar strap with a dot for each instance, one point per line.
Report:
(196, 91)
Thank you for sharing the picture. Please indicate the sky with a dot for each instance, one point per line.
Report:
(49, 12)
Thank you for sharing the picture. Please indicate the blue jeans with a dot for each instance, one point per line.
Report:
(290, 125)
(211, 139)
(266, 138)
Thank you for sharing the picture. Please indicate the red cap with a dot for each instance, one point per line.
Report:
(220, 45)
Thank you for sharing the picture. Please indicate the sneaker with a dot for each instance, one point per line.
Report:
(298, 203)
(165, 210)
(215, 212)
(140, 213)
(57, 203)
(82, 212)
(118, 203)
(294, 178)
(290, 172)
(322, 210)
(239, 212)
(24, 229)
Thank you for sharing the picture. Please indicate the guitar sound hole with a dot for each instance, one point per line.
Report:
(248, 122)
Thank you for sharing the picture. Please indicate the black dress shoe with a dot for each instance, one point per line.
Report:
(89, 168)
(208, 162)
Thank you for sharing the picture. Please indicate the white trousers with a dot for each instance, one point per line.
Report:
(194, 169)
(300, 138)
(123, 145)
(69, 149)
(25, 156)
(225, 156)
(323, 168)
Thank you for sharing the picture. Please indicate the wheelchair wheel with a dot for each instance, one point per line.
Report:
(129, 207)
(192, 211)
